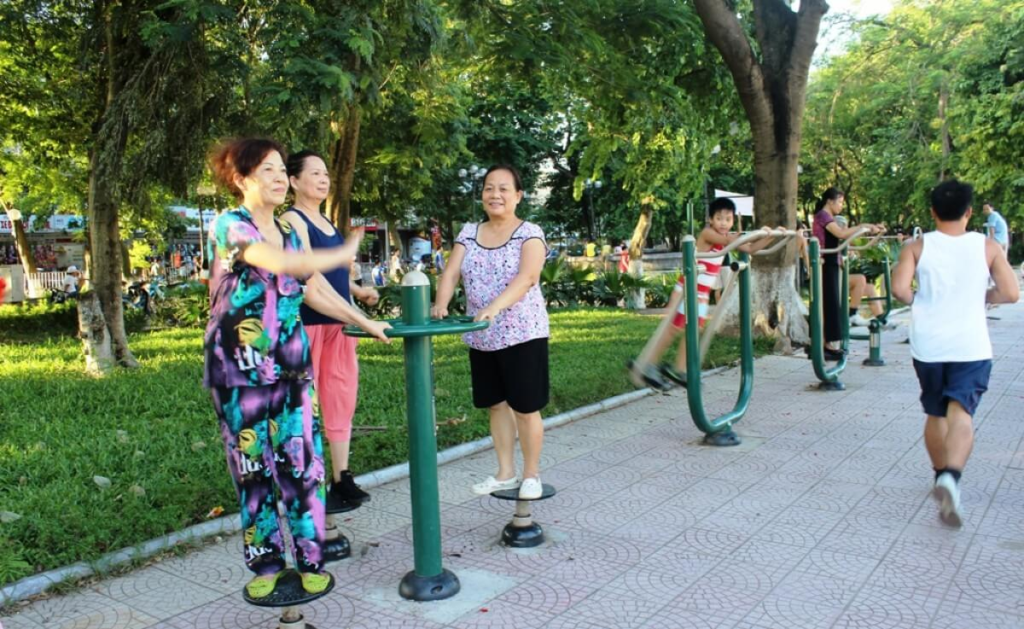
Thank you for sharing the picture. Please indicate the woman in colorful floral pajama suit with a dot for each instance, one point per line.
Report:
(258, 365)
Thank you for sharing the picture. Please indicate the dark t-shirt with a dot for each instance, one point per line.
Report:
(825, 238)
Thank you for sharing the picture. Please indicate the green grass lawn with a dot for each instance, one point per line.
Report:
(153, 434)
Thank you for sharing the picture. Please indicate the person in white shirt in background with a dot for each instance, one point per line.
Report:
(72, 282)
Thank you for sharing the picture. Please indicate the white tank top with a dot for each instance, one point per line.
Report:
(948, 323)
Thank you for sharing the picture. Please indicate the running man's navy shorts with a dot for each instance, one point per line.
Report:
(942, 382)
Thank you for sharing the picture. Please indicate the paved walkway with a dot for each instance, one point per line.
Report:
(821, 519)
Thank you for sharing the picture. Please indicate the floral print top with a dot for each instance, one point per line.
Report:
(486, 273)
(255, 335)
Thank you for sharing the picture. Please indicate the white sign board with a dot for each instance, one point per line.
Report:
(744, 204)
(209, 214)
(56, 223)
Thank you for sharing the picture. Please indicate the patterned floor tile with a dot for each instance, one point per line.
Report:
(501, 614)
(83, 610)
(609, 610)
(158, 593)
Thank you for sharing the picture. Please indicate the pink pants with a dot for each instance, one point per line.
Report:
(336, 373)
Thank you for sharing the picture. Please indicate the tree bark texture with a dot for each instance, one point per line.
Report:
(772, 89)
(343, 170)
(92, 325)
(640, 232)
(638, 299)
(105, 271)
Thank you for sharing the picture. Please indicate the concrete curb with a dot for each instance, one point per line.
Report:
(39, 583)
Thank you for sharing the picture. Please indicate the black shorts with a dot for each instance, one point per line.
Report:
(942, 382)
(517, 375)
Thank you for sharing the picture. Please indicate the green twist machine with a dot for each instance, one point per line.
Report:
(878, 324)
(718, 431)
(829, 378)
(429, 580)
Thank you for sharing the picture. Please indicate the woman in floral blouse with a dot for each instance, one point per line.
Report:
(258, 362)
(499, 262)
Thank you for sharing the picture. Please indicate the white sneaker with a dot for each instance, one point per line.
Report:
(491, 485)
(947, 492)
(531, 489)
(859, 321)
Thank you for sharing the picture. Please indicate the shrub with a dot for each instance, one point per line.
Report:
(566, 285)
(185, 305)
(659, 290)
(39, 318)
(871, 262)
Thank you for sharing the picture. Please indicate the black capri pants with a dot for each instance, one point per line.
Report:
(830, 301)
(517, 374)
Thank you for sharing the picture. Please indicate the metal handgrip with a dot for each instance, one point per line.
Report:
(785, 236)
(742, 240)
(860, 231)
(870, 243)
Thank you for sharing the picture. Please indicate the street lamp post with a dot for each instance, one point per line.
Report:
(203, 190)
(715, 150)
(588, 189)
(469, 179)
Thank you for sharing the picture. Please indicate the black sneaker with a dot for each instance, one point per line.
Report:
(345, 492)
(679, 377)
(834, 355)
(646, 377)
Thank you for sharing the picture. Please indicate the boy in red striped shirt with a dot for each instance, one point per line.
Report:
(644, 371)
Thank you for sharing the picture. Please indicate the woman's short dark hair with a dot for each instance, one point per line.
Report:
(297, 162)
(512, 169)
(829, 195)
(241, 156)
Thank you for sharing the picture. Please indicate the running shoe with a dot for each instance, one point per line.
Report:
(947, 492)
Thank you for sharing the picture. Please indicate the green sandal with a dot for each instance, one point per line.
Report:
(263, 586)
(314, 583)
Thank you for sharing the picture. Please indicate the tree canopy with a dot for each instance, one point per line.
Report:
(930, 91)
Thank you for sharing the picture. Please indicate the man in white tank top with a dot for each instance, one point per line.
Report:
(949, 331)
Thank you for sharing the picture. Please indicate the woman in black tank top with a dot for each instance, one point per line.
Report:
(335, 366)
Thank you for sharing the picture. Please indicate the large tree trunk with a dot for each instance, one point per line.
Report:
(772, 90)
(104, 230)
(776, 299)
(343, 170)
(105, 271)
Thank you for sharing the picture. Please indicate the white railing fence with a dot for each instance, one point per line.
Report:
(37, 284)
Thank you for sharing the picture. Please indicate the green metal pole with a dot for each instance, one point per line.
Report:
(829, 377)
(429, 580)
(719, 430)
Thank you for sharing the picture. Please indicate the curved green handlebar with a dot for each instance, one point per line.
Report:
(817, 317)
(400, 329)
(722, 423)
